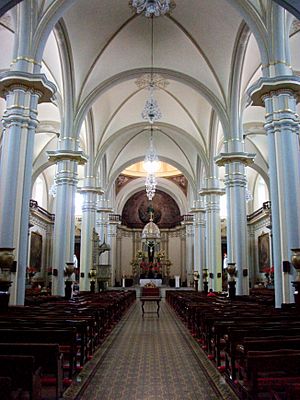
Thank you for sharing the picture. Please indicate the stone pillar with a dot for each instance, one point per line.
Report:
(252, 258)
(213, 233)
(112, 236)
(89, 210)
(118, 276)
(237, 235)
(103, 211)
(279, 95)
(22, 91)
(64, 235)
(189, 254)
(183, 270)
(199, 241)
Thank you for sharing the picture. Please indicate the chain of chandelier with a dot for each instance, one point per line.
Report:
(151, 111)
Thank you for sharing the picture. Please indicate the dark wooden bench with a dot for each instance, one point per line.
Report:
(150, 294)
(269, 370)
(47, 356)
(6, 388)
(66, 338)
(24, 374)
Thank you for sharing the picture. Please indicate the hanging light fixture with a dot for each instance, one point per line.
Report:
(151, 111)
(53, 190)
(151, 162)
(152, 7)
(151, 165)
(150, 186)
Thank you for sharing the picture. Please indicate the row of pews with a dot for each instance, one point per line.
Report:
(255, 346)
(43, 345)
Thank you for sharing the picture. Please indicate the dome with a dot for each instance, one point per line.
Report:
(151, 231)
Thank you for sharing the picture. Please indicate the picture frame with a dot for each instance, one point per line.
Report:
(36, 249)
(264, 252)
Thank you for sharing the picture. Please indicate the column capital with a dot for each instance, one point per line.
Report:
(55, 156)
(265, 86)
(9, 80)
(241, 157)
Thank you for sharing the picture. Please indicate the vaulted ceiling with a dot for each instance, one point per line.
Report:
(107, 48)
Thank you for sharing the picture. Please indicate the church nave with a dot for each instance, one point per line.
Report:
(149, 358)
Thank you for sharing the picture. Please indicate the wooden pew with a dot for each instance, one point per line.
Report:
(66, 338)
(47, 356)
(23, 372)
(6, 388)
(269, 370)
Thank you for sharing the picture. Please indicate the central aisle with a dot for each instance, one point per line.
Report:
(149, 358)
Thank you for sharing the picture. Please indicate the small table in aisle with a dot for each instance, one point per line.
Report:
(157, 299)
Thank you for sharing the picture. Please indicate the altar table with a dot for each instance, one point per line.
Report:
(157, 282)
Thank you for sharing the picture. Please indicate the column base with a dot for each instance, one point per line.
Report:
(232, 290)
(296, 285)
(68, 290)
(4, 295)
(92, 286)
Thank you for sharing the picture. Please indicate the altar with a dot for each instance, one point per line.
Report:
(156, 282)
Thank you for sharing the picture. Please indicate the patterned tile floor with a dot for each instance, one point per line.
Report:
(149, 358)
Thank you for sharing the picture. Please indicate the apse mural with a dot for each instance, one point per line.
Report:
(136, 210)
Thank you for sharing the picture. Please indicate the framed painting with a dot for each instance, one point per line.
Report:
(36, 248)
(264, 252)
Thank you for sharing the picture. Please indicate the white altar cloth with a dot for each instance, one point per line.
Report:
(157, 282)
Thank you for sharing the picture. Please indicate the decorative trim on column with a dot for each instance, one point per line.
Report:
(226, 158)
(91, 189)
(9, 80)
(208, 191)
(265, 86)
(67, 155)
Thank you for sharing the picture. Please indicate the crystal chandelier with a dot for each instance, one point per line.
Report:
(151, 163)
(151, 111)
(53, 190)
(248, 195)
(150, 186)
(152, 7)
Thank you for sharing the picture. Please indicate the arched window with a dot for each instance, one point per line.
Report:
(78, 204)
(262, 192)
(38, 192)
(223, 206)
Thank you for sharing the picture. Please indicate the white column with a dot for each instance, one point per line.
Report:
(183, 273)
(103, 212)
(282, 126)
(112, 236)
(237, 235)
(22, 91)
(199, 241)
(89, 210)
(212, 195)
(64, 235)
(189, 253)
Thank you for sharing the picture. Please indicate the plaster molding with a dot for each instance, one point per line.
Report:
(36, 82)
(265, 86)
(227, 158)
(55, 156)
